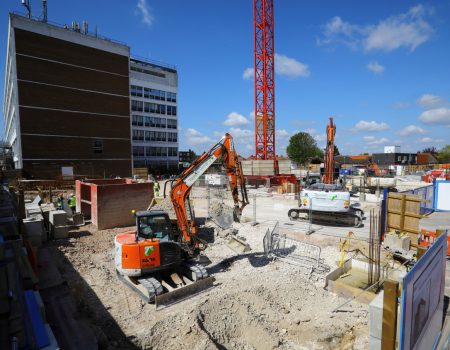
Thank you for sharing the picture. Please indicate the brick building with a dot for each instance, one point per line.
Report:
(66, 101)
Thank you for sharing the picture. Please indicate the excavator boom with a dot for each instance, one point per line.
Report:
(328, 177)
(183, 184)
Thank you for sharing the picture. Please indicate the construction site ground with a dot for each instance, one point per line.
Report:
(257, 303)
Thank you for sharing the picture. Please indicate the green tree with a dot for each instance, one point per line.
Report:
(302, 148)
(432, 150)
(444, 154)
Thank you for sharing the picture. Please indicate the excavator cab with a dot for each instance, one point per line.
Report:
(154, 224)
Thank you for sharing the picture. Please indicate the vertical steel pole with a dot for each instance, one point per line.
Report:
(254, 209)
(208, 201)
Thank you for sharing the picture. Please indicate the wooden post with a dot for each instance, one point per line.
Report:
(402, 213)
(420, 252)
(439, 232)
(389, 326)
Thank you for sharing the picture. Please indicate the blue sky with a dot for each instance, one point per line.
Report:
(380, 68)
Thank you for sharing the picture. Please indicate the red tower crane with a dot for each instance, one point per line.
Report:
(328, 176)
(264, 80)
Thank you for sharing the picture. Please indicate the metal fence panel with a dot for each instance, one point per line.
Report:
(291, 250)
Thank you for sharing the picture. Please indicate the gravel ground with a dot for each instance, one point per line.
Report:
(257, 303)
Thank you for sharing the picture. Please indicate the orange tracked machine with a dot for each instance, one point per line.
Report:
(158, 260)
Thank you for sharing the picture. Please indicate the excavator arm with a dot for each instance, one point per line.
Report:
(328, 176)
(182, 186)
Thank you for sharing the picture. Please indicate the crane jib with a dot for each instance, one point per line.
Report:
(191, 178)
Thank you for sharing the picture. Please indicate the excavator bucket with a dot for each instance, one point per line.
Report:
(182, 293)
(238, 245)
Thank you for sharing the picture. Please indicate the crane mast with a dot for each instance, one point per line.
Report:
(264, 70)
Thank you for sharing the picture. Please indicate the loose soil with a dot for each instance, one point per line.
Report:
(257, 303)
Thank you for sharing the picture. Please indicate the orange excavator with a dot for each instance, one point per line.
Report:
(158, 260)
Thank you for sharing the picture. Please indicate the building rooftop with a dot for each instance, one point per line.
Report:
(154, 64)
(75, 27)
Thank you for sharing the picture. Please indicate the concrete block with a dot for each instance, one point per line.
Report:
(58, 218)
(32, 210)
(59, 232)
(34, 230)
(376, 316)
(374, 343)
(394, 242)
(46, 209)
(78, 219)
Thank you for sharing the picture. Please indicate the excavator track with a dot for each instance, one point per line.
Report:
(351, 218)
(171, 286)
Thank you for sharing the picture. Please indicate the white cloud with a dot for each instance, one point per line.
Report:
(428, 101)
(411, 130)
(426, 140)
(194, 137)
(408, 30)
(430, 140)
(375, 67)
(248, 74)
(318, 137)
(251, 115)
(282, 133)
(372, 140)
(240, 134)
(144, 10)
(436, 116)
(337, 31)
(235, 119)
(290, 67)
(364, 125)
(284, 65)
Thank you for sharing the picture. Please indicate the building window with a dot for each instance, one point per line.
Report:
(172, 137)
(171, 110)
(136, 105)
(171, 97)
(138, 135)
(173, 152)
(138, 151)
(399, 158)
(155, 122)
(156, 151)
(136, 91)
(137, 120)
(97, 146)
(154, 108)
(171, 124)
(155, 136)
